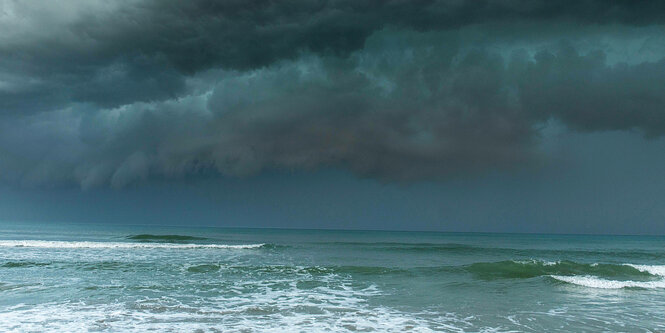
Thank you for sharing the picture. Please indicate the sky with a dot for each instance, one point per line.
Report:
(447, 115)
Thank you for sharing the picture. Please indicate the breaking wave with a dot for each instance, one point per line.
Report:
(595, 282)
(595, 275)
(534, 268)
(119, 245)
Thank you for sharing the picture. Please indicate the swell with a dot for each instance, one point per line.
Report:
(533, 268)
(606, 276)
(164, 238)
(602, 276)
(21, 264)
(467, 249)
(289, 270)
(203, 267)
(484, 270)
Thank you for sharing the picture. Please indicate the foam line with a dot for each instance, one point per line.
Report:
(118, 245)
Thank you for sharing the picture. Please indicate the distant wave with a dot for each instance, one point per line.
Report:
(15, 264)
(119, 245)
(167, 238)
(460, 248)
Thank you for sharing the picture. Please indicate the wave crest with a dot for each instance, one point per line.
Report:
(595, 282)
(604, 276)
(119, 245)
(535, 268)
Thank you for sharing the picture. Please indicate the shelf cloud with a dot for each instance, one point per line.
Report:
(94, 93)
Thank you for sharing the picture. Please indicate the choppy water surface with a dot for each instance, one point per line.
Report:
(130, 278)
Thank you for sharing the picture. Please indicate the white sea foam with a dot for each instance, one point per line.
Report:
(536, 262)
(292, 300)
(266, 309)
(651, 269)
(595, 282)
(119, 245)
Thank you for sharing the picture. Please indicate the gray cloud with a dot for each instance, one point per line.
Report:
(116, 53)
(588, 95)
(113, 94)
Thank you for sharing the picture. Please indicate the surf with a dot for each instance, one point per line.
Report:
(600, 283)
(119, 245)
(591, 275)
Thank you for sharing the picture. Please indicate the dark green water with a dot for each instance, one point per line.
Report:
(134, 278)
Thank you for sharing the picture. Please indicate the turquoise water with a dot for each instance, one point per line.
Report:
(139, 278)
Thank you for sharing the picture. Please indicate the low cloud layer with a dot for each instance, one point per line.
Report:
(100, 94)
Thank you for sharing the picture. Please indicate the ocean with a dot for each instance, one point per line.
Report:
(118, 278)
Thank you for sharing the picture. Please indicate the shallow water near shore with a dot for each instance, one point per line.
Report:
(59, 277)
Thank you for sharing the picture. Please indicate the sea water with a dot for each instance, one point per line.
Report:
(87, 278)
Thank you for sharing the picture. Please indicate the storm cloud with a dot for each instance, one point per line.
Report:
(112, 94)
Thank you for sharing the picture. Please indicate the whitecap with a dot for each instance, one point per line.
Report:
(595, 282)
(651, 269)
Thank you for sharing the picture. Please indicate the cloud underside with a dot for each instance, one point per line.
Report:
(100, 94)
